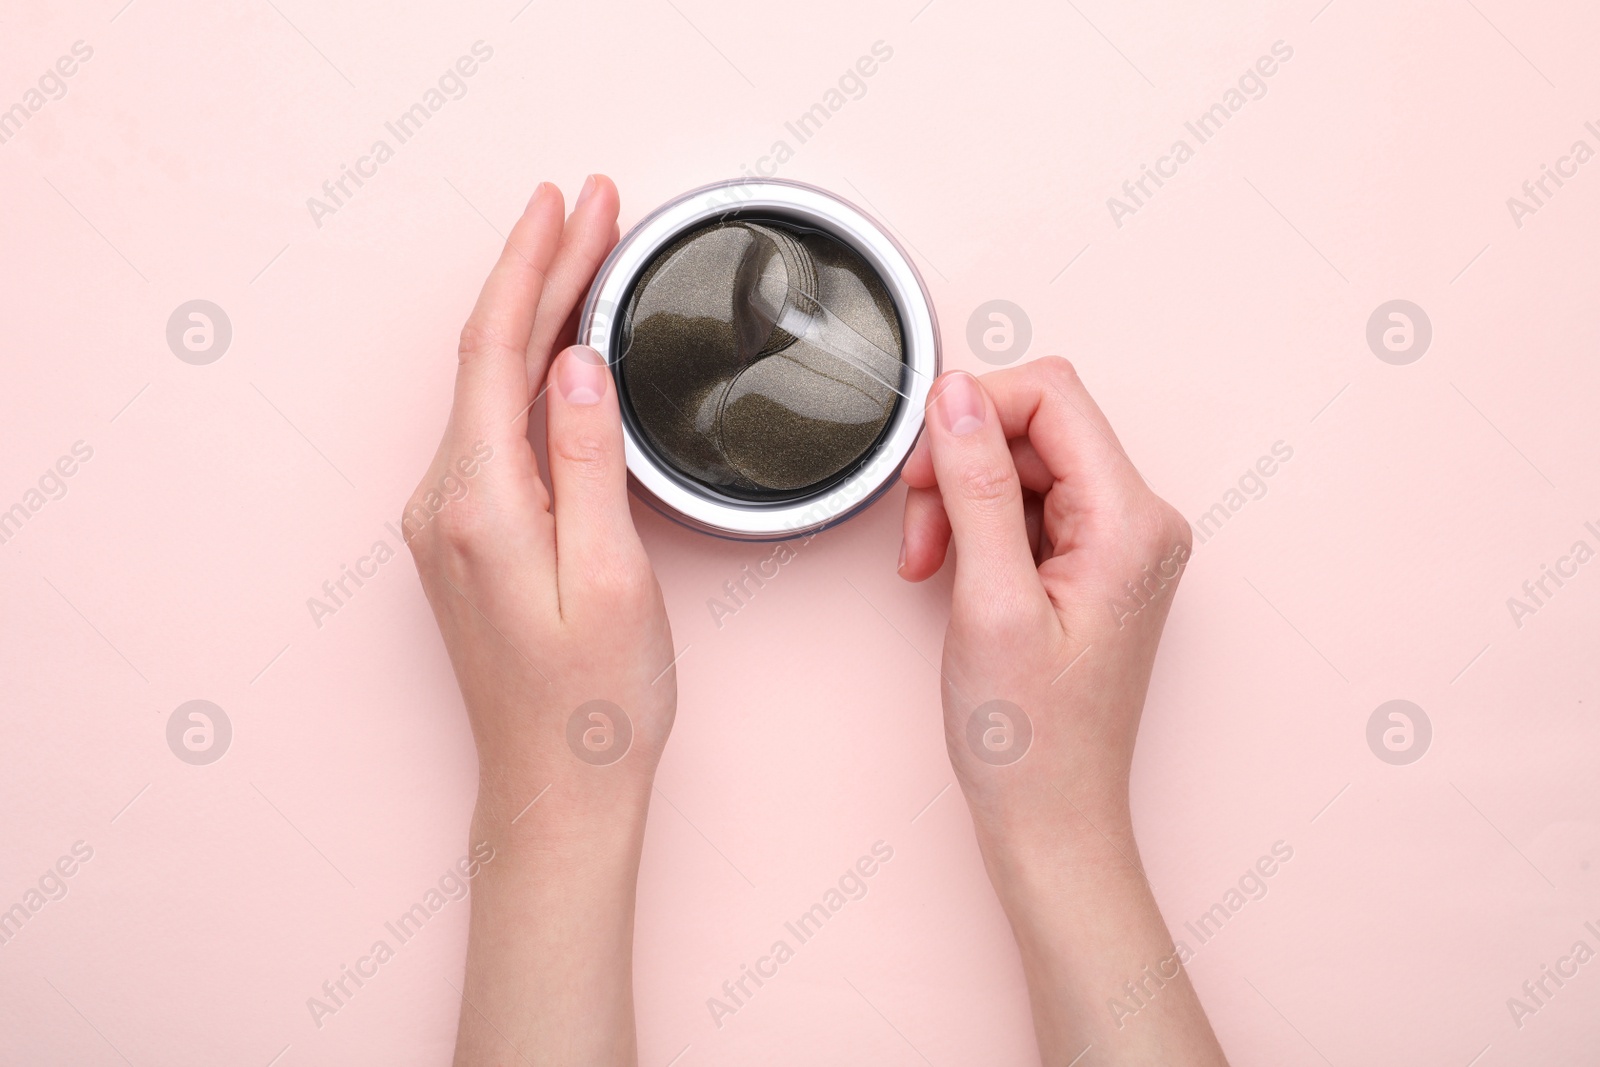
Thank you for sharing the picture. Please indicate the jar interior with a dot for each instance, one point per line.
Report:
(761, 360)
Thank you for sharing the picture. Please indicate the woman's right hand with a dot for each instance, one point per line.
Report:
(1066, 566)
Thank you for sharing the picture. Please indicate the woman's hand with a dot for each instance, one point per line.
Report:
(1053, 527)
(559, 639)
(1066, 565)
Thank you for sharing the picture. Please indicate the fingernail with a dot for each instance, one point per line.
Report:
(581, 376)
(586, 192)
(538, 191)
(960, 404)
(902, 564)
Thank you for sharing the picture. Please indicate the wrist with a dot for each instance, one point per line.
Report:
(1031, 822)
(591, 820)
(1041, 845)
(1078, 899)
(1095, 951)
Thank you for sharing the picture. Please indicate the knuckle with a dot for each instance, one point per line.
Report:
(414, 503)
(988, 484)
(1058, 369)
(457, 531)
(585, 452)
(479, 340)
(414, 524)
(1160, 529)
(1178, 532)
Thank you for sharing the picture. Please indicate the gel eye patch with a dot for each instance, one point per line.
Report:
(760, 359)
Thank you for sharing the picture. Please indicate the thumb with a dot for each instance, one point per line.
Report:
(982, 494)
(595, 538)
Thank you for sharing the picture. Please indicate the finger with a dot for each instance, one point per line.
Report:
(1031, 468)
(981, 492)
(918, 469)
(1046, 402)
(1035, 474)
(492, 378)
(595, 538)
(569, 332)
(585, 240)
(1033, 515)
(926, 537)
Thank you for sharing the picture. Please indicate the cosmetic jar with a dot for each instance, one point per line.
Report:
(773, 348)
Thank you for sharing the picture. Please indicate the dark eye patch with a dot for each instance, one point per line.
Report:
(761, 360)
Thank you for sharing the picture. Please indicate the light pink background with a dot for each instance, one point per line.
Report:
(1226, 315)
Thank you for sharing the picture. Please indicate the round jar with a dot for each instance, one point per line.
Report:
(773, 348)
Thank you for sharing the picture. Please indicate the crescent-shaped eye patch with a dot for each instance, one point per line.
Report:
(761, 359)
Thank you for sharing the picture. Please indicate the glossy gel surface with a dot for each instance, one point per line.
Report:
(761, 360)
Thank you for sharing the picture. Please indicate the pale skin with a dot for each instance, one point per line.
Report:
(546, 601)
